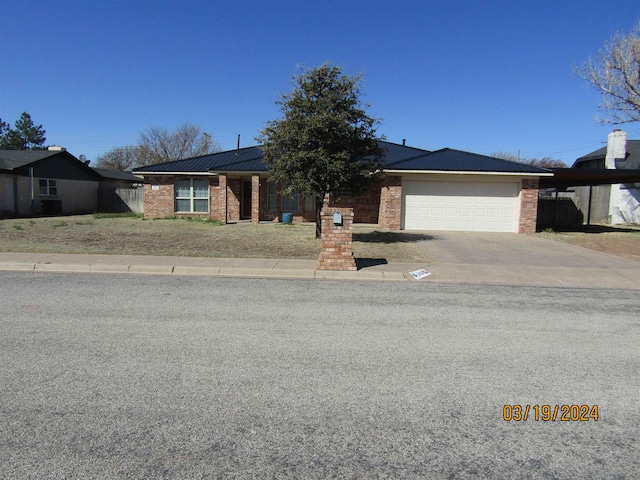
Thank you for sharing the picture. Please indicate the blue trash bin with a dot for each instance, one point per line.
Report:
(287, 218)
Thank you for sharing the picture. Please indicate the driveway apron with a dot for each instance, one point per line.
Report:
(512, 249)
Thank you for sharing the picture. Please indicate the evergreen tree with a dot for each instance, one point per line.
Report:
(24, 136)
(325, 140)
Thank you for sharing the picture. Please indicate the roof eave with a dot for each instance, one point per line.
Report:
(173, 173)
(464, 172)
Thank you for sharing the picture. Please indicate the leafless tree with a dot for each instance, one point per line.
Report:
(615, 72)
(157, 144)
(119, 158)
(545, 162)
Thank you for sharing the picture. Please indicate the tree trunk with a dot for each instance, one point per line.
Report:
(321, 201)
(318, 220)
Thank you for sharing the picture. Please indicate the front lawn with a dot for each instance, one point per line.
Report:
(131, 235)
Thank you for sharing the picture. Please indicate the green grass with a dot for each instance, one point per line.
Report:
(60, 224)
(18, 226)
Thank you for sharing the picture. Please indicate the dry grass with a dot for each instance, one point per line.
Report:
(183, 237)
(623, 241)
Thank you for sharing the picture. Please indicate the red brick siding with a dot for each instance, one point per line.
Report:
(158, 197)
(528, 206)
(365, 206)
(234, 189)
(390, 216)
(160, 203)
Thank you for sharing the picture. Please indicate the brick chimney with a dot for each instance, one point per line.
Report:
(616, 148)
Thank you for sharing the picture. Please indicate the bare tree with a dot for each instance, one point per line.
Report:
(545, 162)
(119, 158)
(615, 72)
(157, 144)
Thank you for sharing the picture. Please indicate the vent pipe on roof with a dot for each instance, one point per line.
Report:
(404, 142)
(238, 141)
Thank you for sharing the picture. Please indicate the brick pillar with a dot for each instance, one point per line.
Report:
(336, 252)
(528, 206)
(222, 197)
(390, 214)
(255, 198)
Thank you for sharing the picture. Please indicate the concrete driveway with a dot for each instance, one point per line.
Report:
(514, 259)
(513, 249)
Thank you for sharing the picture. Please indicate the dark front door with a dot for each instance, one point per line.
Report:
(246, 199)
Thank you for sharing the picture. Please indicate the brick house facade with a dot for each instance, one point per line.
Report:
(233, 186)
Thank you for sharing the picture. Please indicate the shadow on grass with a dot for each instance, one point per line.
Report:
(390, 237)
(369, 262)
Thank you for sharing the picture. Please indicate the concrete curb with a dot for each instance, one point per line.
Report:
(443, 273)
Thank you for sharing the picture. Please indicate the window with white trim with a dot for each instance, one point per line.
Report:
(48, 187)
(192, 195)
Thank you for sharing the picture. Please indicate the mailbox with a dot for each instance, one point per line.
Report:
(337, 218)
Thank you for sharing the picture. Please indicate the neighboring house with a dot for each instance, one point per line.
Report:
(46, 182)
(50, 182)
(421, 190)
(613, 203)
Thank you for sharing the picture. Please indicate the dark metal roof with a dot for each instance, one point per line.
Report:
(631, 162)
(248, 159)
(397, 157)
(12, 159)
(449, 160)
(117, 175)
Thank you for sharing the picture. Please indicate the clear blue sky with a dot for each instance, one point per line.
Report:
(480, 76)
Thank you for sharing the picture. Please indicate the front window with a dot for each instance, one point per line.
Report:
(290, 204)
(192, 195)
(48, 187)
(271, 196)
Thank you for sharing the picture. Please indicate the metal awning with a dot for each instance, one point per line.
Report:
(575, 177)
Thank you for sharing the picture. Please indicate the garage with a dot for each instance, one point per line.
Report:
(460, 206)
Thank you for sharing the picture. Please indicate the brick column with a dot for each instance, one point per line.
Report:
(390, 214)
(222, 197)
(255, 198)
(528, 206)
(336, 252)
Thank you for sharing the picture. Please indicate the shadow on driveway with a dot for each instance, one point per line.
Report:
(391, 237)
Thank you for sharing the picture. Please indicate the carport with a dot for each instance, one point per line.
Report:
(565, 178)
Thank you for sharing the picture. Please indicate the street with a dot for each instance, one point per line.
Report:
(133, 376)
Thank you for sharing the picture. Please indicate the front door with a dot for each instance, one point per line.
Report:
(246, 200)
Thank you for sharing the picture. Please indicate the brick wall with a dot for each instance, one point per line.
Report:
(390, 216)
(366, 206)
(234, 189)
(158, 197)
(336, 252)
(528, 206)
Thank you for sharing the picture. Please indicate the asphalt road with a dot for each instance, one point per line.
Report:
(188, 377)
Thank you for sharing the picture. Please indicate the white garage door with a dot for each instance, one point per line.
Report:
(459, 206)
